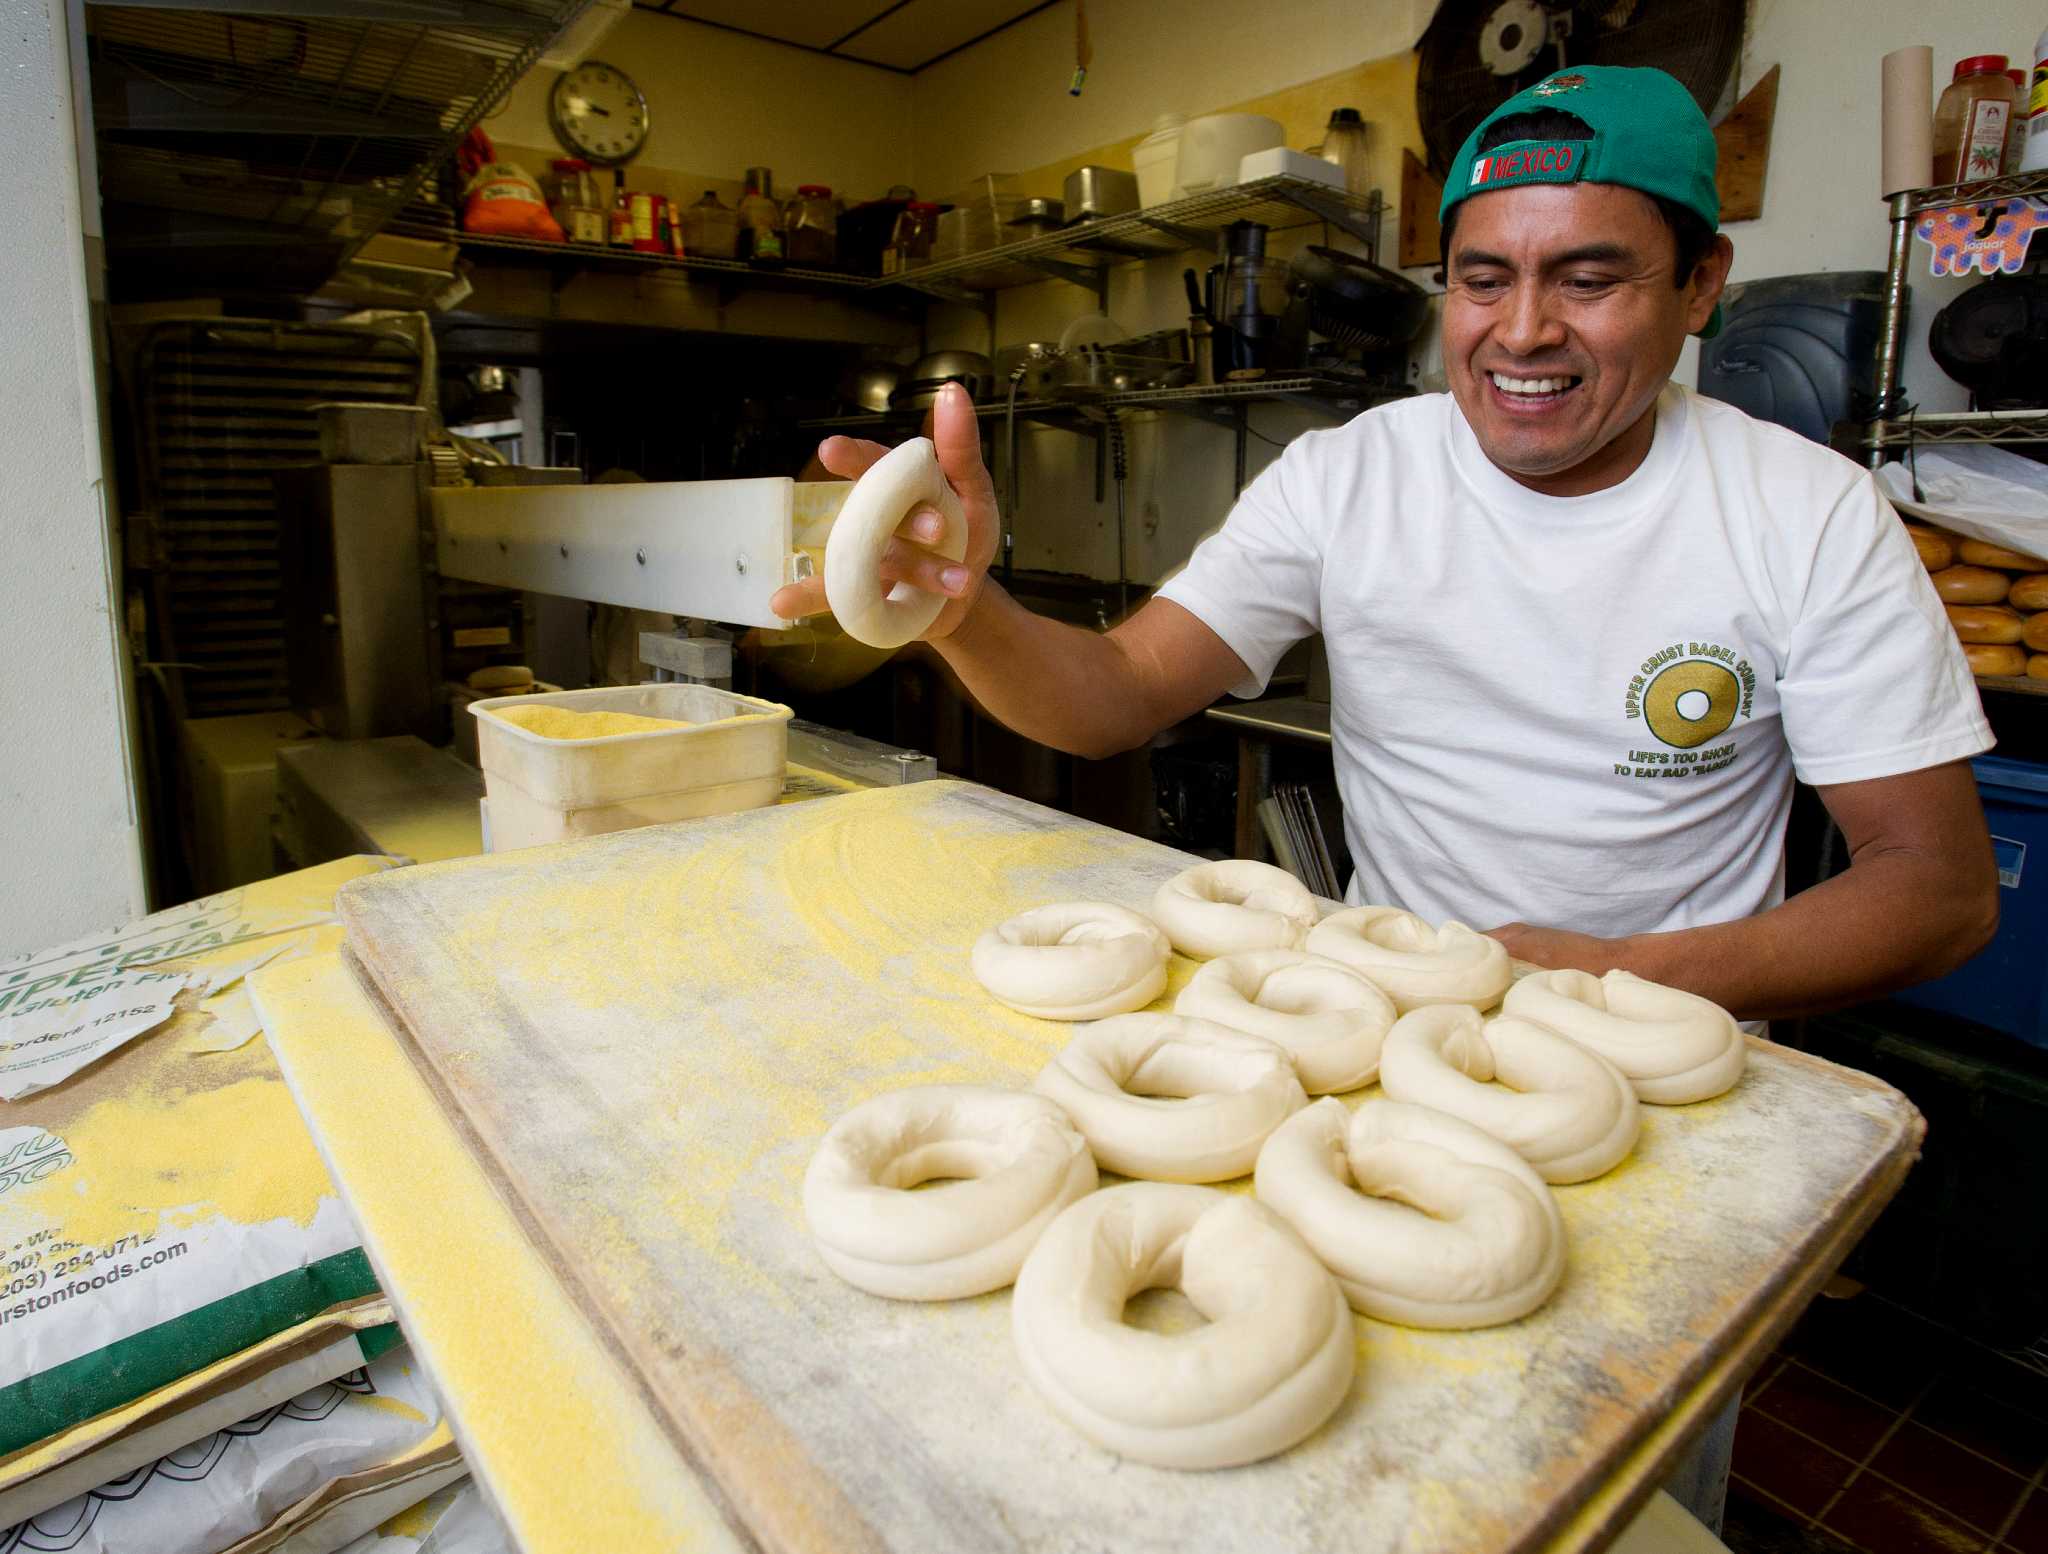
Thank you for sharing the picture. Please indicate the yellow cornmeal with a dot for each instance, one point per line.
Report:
(152, 1160)
(564, 1444)
(566, 723)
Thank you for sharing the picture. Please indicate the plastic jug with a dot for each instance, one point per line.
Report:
(1344, 145)
(1154, 158)
(1212, 146)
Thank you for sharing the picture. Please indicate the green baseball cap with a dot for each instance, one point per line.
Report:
(1647, 133)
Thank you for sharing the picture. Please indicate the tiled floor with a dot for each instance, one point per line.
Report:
(1871, 1431)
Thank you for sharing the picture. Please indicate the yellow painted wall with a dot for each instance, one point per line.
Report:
(1003, 104)
(1181, 481)
(719, 102)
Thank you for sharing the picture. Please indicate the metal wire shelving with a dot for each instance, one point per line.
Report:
(259, 151)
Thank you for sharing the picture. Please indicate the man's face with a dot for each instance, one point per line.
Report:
(1561, 322)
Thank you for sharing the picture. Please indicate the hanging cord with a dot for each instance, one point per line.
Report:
(1084, 52)
(1010, 475)
(1119, 467)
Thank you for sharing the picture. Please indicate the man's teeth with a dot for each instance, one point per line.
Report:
(1508, 385)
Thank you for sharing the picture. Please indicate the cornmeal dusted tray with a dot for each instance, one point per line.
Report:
(645, 1034)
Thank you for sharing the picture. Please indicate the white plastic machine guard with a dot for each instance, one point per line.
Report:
(714, 549)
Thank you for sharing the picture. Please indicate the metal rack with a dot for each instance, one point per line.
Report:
(1215, 399)
(1084, 254)
(1226, 403)
(260, 151)
(1892, 426)
(585, 256)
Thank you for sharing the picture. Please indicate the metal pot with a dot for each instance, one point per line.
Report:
(871, 387)
(1035, 363)
(1035, 216)
(932, 372)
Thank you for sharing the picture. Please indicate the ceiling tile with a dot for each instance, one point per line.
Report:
(924, 29)
(814, 23)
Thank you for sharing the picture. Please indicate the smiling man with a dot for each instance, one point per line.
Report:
(1583, 626)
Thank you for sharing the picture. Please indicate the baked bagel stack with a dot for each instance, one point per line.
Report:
(1997, 600)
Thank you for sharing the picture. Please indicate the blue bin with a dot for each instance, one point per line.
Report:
(2006, 985)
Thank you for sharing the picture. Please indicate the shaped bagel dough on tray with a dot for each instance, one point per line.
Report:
(1021, 1162)
(1565, 1110)
(1232, 906)
(1073, 960)
(1172, 1099)
(1425, 1220)
(1273, 1362)
(1416, 965)
(1328, 1017)
(1674, 1047)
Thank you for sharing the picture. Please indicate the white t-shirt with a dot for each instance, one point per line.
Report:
(1586, 712)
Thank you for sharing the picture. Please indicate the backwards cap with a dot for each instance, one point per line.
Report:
(1646, 133)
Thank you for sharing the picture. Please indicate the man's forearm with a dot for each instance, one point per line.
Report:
(1887, 922)
(1076, 690)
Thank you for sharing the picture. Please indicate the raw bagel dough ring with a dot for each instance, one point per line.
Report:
(1235, 1090)
(1425, 1220)
(881, 499)
(1023, 1160)
(1273, 1363)
(1674, 1047)
(1074, 960)
(1565, 1110)
(1232, 906)
(1416, 965)
(1331, 1019)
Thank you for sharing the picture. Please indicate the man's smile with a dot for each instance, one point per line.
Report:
(1524, 393)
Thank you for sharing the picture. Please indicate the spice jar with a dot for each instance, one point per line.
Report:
(1970, 120)
(711, 229)
(574, 202)
(911, 243)
(811, 226)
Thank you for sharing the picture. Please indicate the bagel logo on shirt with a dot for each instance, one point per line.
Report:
(1687, 694)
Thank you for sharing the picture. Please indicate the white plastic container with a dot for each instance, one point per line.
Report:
(1296, 164)
(1212, 147)
(2036, 109)
(1154, 158)
(538, 790)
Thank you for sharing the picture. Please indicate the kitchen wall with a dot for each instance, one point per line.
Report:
(1822, 207)
(1003, 106)
(720, 102)
(70, 859)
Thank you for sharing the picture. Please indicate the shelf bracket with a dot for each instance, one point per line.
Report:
(1187, 237)
(1365, 226)
(1088, 277)
(945, 293)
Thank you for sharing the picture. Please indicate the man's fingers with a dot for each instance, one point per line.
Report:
(902, 563)
(793, 601)
(923, 526)
(957, 436)
(849, 457)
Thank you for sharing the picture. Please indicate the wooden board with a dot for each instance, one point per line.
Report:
(646, 1034)
(1422, 235)
(1744, 142)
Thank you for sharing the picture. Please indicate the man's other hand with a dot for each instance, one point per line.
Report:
(1557, 949)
